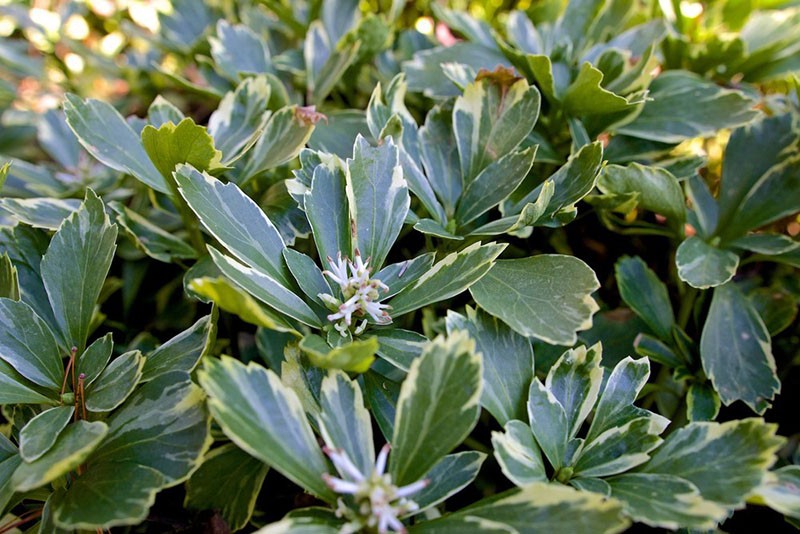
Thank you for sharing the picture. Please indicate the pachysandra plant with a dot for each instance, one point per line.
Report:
(305, 266)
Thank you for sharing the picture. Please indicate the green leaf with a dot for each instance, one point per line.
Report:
(665, 501)
(725, 461)
(162, 111)
(327, 209)
(228, 480)
(452, 474)
(753, 169)
(28, 345)
(238, 50)
(437, 408)
(586, 95)
(682, 105)
(344, 422)
(15, 389)
(781, 491)
(155, 440)
(545, 296)
(736, 351)
(518, 454)
(378, 198)
(492, 118)
(9, 279)
(539, 507)
(71, 449)
(642, 290)
(40, 433)
(151, 238)
(702, 402)
(265, 418)
(312, 520)
(574, 380)
(449, 277)
(286, 133)
(776, 307)
(75, 266)
(105, 135)
(47, 213)
(702, 265)
(615, 407)
(237, 301)
(241, 118)
(356, 356)
(236, 221)
(507, 362)
(659, 191)
(115, 383)
(326, 73)
(493, 184)
(184, 351)
(185, 142)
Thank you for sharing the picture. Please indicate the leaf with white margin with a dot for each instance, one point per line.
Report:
(508, 362)
(702, 265)
(265, 288)
(71, 449)
(265, 418)
(518, 454)
(546, 296)
(781, 491)
(105, 135)
(344, 422)
(548, 421)
(537, 508)
(452, 474)
(725, 461)
(448, 277)
(28, 345)
(615, 407)
(736, 351)
(378, 198)
(437, 408)
(75, 266)
(666, 501)
(155, 440)
(327, 209)
(235, 220)
(115, 383)
(40, 433)
(575, 381)
(619, 449)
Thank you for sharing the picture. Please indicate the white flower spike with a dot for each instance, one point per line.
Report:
(377, 504)
(361, 294)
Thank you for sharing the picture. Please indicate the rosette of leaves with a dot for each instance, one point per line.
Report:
(474, 155)
(683, 480)
(357, 205)
(126, 427)
(436, 409)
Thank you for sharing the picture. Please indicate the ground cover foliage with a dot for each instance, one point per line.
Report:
(384, 266)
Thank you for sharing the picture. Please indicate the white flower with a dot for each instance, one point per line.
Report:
(360, 294)
(378, 503)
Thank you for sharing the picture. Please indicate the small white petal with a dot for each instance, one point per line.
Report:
(410, 489)
(380, 463)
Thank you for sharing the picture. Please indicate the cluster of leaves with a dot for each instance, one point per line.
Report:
(328, 231)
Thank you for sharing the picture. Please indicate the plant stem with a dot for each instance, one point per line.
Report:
(687, 303)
